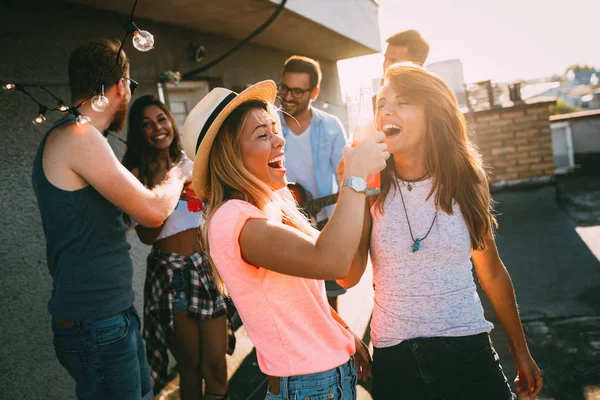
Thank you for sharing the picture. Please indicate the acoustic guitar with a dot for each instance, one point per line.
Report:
(311, 206)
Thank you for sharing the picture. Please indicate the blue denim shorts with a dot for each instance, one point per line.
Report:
(337, 383)
(105, 357)
(182, 289)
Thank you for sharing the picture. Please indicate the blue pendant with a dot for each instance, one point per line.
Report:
(417, 245)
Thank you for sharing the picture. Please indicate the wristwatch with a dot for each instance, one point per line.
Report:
(356, 183)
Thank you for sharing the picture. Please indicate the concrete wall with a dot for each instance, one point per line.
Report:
(35, 43)
(586, 143)
(586, 134)
(515, 142)
(344, 20)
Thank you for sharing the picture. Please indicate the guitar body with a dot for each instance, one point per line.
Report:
(311, 206)
(300, 194)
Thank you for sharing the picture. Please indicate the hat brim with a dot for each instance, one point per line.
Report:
(265, 90)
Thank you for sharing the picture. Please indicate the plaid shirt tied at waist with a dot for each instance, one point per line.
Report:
(205, 303)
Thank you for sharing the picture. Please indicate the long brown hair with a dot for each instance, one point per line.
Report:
(140, 154)
(453, 162)
(229, 179)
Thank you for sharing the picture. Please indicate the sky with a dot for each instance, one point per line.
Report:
(499, 40)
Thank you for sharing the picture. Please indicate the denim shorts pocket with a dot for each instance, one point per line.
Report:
(271, 396)
(178, 281)
(319, 393)
(112, 329)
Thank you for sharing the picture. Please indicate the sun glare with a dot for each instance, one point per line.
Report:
(501, 41)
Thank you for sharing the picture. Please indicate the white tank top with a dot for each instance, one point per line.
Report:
(430, 292)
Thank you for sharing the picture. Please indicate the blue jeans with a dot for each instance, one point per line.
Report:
(337, 383)
(181, 286)
(105, 357)
(440, 368)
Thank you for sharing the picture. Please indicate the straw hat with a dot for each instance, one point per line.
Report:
(205, 119)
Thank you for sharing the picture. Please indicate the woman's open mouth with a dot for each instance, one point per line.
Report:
(391, 130)
(277, 162)
(160, 137)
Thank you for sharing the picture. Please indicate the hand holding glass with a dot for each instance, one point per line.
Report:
(361, 126)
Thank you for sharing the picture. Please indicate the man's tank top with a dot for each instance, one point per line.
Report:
(86, 248)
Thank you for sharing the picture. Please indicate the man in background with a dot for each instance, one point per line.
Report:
(314, 140)
(405, 46)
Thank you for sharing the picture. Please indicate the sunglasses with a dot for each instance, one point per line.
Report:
(296, 92)
(133, 84)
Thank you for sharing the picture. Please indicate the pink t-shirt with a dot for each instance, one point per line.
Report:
(287, 318)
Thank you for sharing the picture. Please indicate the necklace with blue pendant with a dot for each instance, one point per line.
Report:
(416, 242)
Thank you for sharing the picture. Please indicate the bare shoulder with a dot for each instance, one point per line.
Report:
(66, 147)
(71, 141)
(60, 135)
(72, 131)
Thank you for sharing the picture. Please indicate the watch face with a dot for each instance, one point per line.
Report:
(356, 183)
(359, 184)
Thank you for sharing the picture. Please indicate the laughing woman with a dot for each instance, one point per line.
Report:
(270, 259)
(183, 310)
(432, 218)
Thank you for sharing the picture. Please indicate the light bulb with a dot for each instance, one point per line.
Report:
(62, 107)
(100, 102)
(143, 40)
(83, 120)
(9, 86)
(40, 119)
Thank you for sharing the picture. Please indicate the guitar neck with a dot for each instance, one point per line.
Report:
(324, 201)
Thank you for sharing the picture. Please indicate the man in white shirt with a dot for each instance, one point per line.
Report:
(314, 141)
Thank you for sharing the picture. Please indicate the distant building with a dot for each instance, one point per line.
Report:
(541, 89)
(589, 77)
(451, 71)
(582, 89)
(586, 97)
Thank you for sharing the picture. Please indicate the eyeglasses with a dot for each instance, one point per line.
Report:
(133, 84)
(296, 92)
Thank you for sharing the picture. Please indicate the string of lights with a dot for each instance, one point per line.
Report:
(142, 40)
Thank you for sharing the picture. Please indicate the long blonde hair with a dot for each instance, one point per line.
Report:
(451, 158)
(229, 179)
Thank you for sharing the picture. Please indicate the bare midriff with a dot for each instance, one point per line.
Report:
(183, 243)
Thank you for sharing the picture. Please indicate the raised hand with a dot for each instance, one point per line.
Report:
(367, 158)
